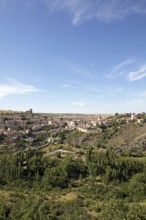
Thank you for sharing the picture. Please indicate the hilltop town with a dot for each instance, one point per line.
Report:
(20, 130)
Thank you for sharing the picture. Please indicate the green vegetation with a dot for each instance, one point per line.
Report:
(2, 137)
(83, 178)
(103, 186)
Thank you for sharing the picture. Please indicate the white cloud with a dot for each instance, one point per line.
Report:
(126, 69)
(102, 10)
(15, 87)
(137, 75)
(77, 8)
(121, 69)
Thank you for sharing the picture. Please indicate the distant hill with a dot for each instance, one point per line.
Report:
(69, 115)
(8, 112)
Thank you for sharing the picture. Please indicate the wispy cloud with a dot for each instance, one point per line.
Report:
(68, 85)
(78, 69)
(118, 10)
(94, 89)
(122, 68)
(112, 90)
(80, 103)
(102, 10)
(132, 103)
(126, 69)
(143, 94)
(14, 87)
(39, 80)
(83, 10)
(77, 8)
(137, 75)
(106, 91)
(11, 3)
(138, 94)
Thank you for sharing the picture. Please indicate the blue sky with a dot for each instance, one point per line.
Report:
(74, 56)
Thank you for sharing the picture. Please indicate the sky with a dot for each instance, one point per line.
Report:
(73, 56)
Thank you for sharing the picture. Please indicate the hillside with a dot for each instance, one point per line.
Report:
(130, 137)
(77, 175)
